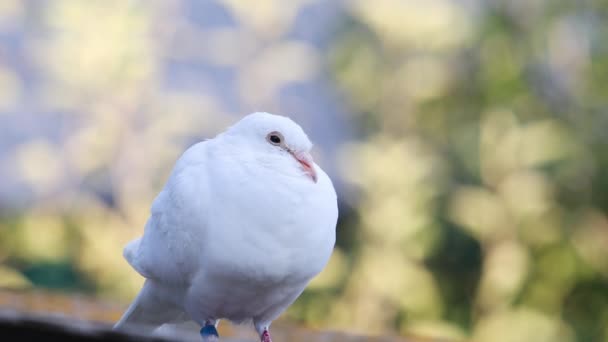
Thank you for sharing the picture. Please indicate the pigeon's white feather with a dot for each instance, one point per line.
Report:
(150, 311)
(237, 232)
(177, 223)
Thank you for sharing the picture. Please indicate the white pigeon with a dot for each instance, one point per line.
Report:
(244, 222)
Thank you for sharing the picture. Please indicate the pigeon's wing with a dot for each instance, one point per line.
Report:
(150, 311)
(167, 251)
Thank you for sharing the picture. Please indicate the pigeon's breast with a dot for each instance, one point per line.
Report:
(268, 234)
(271, 229)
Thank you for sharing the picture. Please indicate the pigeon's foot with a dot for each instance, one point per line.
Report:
(209, 333)
(266, 336)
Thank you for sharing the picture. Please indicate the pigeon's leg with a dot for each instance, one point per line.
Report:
(209, 332)
(265, 336)
(262, 329)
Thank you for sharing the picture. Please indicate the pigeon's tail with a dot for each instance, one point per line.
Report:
(148, 311)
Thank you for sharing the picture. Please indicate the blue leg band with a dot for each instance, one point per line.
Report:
(209, 330)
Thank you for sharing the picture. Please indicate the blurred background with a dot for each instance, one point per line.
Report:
(467, 139)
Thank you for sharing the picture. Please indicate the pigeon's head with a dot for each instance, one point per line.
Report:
(277, 138)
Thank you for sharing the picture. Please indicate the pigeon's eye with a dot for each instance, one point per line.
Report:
(275, 138)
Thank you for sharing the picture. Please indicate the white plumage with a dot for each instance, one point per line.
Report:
(244, 222)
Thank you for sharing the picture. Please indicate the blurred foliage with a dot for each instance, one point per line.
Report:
(476, 200)
(482, 168)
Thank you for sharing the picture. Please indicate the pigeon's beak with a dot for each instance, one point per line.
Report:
(308, 164)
